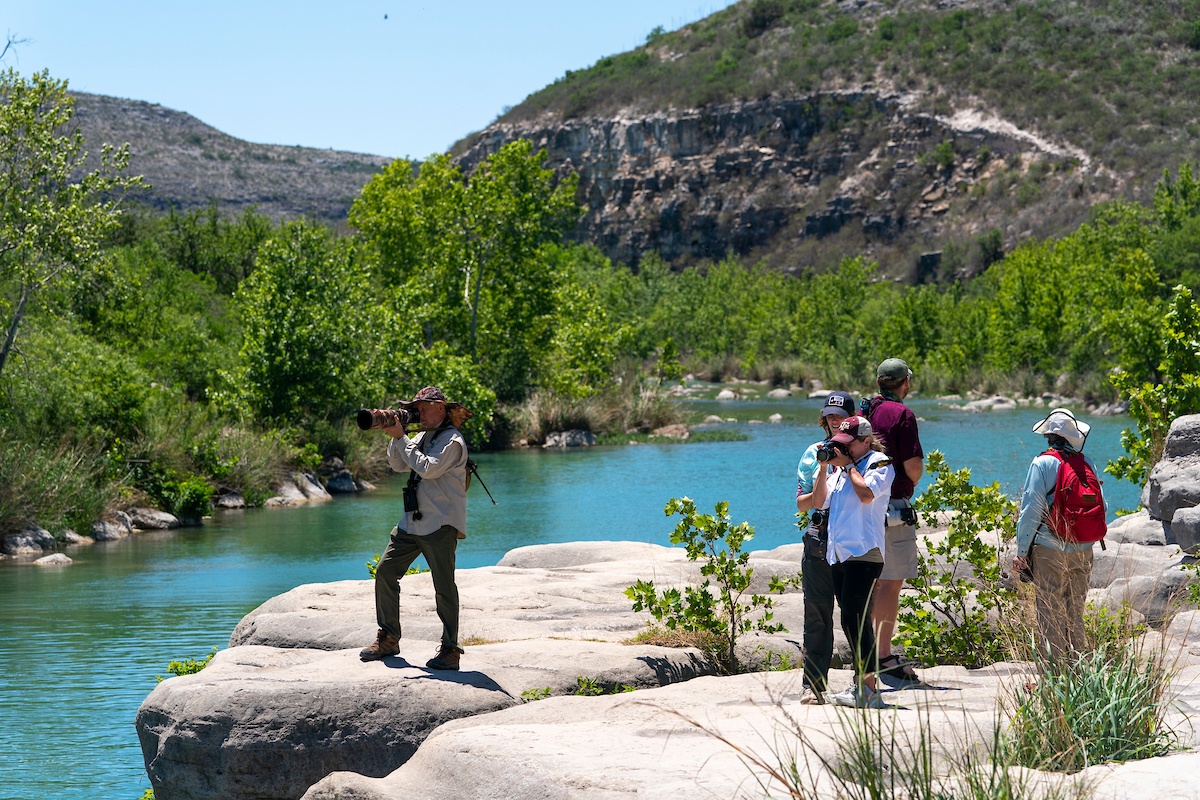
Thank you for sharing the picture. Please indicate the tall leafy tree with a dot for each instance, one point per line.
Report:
(464, 255)
(307, 331)
(54, 211)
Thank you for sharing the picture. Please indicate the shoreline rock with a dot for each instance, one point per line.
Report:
(285, 700)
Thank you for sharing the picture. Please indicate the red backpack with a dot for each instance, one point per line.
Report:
(1077, 513)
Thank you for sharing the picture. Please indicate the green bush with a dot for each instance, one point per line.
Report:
(955, 610)
(717, 605)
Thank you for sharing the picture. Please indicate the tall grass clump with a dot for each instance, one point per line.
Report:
(1108, 704)
(65, 485)
(633, 402)
(871, 757)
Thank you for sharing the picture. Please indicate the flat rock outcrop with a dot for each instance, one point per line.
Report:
(663, 743)
(289, 710)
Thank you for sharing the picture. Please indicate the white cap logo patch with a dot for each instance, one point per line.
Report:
(836, 400)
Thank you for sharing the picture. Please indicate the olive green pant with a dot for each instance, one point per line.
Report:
(439, 549)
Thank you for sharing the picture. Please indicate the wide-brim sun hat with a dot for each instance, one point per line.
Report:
(1061, 422)
(456, 412)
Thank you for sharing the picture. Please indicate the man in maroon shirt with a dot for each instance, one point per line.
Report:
(895, 426)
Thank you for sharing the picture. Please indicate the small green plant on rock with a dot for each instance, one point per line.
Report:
(529, 695)
(189, 667)
(1192, 596)
(591, 687)
(373, 566)
(718, 605)
(950, 616)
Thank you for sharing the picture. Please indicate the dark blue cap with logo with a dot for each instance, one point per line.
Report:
(840, 403)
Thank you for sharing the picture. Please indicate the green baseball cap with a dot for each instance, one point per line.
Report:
(893, 368)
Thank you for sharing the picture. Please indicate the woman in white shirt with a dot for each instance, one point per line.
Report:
(858, 494)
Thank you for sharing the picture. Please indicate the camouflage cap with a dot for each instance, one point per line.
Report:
(430, 394)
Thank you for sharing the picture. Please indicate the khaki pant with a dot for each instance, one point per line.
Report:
(1061, 584)
(403, 549)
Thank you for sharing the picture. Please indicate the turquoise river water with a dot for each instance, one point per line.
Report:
(80, 645)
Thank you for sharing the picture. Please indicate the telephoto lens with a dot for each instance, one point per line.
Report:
(370, 419)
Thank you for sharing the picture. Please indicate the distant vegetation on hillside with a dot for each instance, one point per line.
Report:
(1118, 78)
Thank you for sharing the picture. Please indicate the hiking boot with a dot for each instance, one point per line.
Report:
(385, 645)
(858, 697)
(447, 658)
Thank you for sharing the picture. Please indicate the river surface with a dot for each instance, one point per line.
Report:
(80, 645)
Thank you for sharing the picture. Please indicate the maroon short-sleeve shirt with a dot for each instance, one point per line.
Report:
(895, 427)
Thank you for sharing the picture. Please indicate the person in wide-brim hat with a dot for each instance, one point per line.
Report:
(457, 413)
(435, 518)
(1061, 422)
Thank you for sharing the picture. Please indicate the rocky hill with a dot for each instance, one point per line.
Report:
(189, 164)
(929, 135)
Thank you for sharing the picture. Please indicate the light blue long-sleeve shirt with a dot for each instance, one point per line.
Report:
(806, 470)
(1036, 500)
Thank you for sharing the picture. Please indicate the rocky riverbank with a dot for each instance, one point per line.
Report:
(290, 711)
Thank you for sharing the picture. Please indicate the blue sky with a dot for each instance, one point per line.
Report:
(331, 74)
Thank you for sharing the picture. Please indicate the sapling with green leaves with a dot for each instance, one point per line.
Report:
(719, 605)
(949, 617)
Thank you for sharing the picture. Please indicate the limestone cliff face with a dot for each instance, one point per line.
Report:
(797, 181)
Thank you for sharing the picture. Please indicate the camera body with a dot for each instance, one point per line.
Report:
(828, 451)
(370, 419)
(901, 515)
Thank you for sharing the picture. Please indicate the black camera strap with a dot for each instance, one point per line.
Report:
(414, 478)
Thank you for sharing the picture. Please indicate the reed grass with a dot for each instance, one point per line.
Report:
(1108, 704)
(59, 485)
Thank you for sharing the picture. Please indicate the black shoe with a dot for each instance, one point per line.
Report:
(899, 675)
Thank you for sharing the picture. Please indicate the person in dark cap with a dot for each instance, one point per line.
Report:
(435, 518)
(816, 576)
(895, 428)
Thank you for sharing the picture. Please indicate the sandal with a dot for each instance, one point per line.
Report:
(899, 674)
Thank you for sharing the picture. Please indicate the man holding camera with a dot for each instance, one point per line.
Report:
(435, 518)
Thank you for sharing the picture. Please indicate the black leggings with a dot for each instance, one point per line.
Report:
(853, 583)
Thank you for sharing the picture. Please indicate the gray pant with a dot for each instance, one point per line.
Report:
(439, 549)
(1061, 584)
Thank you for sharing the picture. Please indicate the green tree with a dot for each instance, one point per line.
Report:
(308, 337)
(54, 212)
(466, 255)
(1156, 399)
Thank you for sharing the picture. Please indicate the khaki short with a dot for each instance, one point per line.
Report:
(900, 553)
